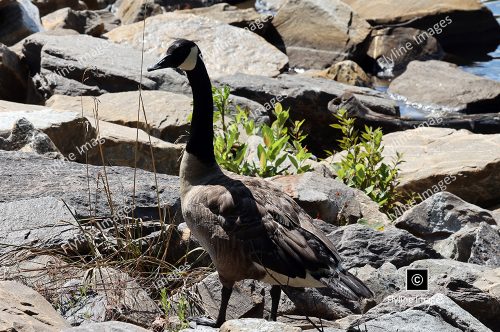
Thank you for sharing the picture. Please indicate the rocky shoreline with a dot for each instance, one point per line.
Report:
(88, 243)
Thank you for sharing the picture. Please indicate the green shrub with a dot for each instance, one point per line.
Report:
(281, 141)
(363, 165)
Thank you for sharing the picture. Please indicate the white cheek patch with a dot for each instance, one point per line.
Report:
(191, 59)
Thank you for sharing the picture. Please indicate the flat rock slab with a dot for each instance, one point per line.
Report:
(226, 49)
(97, 66)
(114, 326)
(67, 130)
(457, 161)
(318, 33)
(167, 113)
(23, 309)
(253, 324)
(67, 180)
(444, 87)
(454, 32)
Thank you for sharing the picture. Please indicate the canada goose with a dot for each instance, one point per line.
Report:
(250, 228)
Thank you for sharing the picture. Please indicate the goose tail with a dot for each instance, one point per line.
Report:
(348, 285)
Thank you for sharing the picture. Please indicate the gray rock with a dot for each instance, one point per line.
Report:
(382, 281)
(308, 99)
(441, 215)
(252, 325)
(15, 84)
(82, 21)
(107, 294)
(330, 200)
(225, 48)
(20, 18)
(114, 326)
(42, 223)
(385, 49)
(438, 313)
(325, 31)
(25, 137)
(447, 89)
(360, 245)
(48, 6)
(478, 245)
(23, 309)
(129, 11)
(67, 180)
(63, 66)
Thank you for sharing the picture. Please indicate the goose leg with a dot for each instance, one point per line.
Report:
(221, 318)
(275, 300)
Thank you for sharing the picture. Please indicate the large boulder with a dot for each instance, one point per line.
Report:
(360, 245)
(130, 11)
(226, 49)
(63, 179)
(442, 215)
(317, 33)
(250, 325)
(15, 83)
(478, 245)
(94, 67)
(307, 98)
(23, 309)
(455, 23)
(442, 86)
(330, 199)
(392, 49)
(67, 130)
(48, 6)
(114, 326)
(438, 313)
(439, 159)
(19, 18)
(82, 21)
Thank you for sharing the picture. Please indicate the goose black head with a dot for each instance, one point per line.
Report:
(182, 54)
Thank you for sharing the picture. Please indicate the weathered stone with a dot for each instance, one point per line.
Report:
(447, 89)
(439, 159)
(109, 295)
(94, 67)
(393, 49)
(331, 200)
(438, 313)
(43, 223)
(253, 324)
(48, 6)
(67, 130)
(449, 20)
(83, 21)
(129, 11)
(167, 113)
(442, 215)
(15, 84)
(67, 180)
(478, 245)
(308, 99)
(324, 32)
(22, 309)
(24, 137)
(242, 18)
(347, 72)
(226, 49)
(114, 326)
(360, 245)
(18, 19)
(119, 145)
(271, 6)
(98, 4)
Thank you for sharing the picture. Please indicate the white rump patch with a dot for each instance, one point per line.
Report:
(275, 278)
(191, 59)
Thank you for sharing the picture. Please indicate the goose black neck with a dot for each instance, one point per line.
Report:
(200, 143)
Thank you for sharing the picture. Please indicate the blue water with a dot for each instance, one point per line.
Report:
(490, 67)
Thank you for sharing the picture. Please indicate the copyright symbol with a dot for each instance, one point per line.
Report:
(417, 279)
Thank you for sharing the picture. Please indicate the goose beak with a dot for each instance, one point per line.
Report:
(165, 62)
